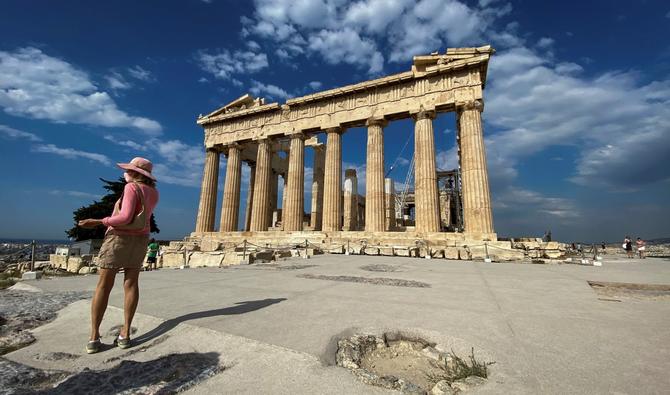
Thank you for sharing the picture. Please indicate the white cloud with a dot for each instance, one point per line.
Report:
(619, 127)
(315, 85)
(36, 85)
(71, 153)
(225, 65)
(272, 91)
(12, 133)
(117, 82)
(141, 74)
(359, 33)
(545, 42)
(179, 163)
(125, 143)
(347, 46)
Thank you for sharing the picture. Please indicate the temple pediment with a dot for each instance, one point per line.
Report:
(244, 102)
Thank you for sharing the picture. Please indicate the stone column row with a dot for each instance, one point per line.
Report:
(327, 212)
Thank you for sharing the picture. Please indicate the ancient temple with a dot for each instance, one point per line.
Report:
(271, 138)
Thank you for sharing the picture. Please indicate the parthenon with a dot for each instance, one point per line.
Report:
(271, 139)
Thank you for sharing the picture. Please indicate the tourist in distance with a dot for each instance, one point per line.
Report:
(628, 246)
(124, 247)
(152, 254)
(640, 244)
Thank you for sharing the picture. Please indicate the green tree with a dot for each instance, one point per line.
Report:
(101, 209)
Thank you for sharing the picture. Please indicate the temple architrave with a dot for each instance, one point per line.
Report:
(271, 139)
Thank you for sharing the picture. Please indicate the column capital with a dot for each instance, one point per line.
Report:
(424, 114)
(335, 129)
(471, 105)
(225, 148)
(297, 134)
(376, 121)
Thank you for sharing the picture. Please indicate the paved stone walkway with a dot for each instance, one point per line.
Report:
(256, 329)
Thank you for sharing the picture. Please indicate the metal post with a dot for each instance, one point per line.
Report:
(32, 257)
(244, 251)
(486, 249)
(347, 251)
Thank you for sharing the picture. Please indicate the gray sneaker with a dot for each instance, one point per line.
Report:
(93, 346)
(122, 342)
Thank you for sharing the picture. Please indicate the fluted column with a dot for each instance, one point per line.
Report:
(426, 195)
(317, 188)
(389, 205)
(260, 205)
(231, 190)
(250, 196)
(207, 207)
(350, 200)
(477, 213)
(374, 177)
(295, 196)
(332, 181)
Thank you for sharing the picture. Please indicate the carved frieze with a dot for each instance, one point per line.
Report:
(450, 82)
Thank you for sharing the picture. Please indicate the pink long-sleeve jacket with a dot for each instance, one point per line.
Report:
(131, 206)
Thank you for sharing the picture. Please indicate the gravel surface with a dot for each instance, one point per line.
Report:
(21, 311)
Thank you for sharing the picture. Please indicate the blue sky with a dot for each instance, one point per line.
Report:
(577, 114)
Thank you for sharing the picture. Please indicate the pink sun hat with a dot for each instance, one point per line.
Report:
(140, 165)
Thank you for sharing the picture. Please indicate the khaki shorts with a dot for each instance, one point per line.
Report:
(123, 251)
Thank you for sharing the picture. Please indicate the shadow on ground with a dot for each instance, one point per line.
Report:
(166, 375)
(239, 308)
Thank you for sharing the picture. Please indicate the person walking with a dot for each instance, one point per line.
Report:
(641, 246)
(153, 253)
(124, 247)
(628, 246)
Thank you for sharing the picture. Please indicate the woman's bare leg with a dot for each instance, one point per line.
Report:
(131, 292)
(100, 299)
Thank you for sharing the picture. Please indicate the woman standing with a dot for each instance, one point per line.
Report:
(641, 246)
(124, 247)
(628, 246)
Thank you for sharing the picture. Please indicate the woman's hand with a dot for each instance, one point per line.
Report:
(89, 223)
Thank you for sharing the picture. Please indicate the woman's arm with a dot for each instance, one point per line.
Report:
(127, 212)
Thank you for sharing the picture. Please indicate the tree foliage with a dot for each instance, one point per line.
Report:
(101, 209)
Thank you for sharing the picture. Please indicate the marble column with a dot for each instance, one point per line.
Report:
(374, 177)
(389, 205)
(210, 178)
(477, 213)
(250, 196)
(295, 194)
(332, 183)
(317, 187)
(260, 204)
(231, 190)
(427, 201)
(350, 222)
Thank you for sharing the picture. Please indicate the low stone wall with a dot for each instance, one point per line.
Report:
(214, 249)
(71, 264)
